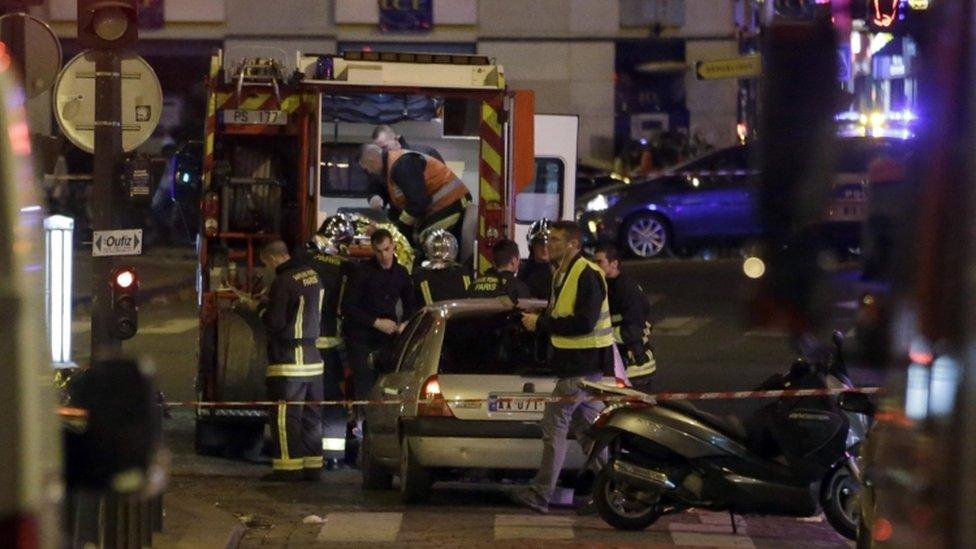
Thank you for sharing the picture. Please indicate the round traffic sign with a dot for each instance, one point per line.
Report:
(74, 101)
(22, 33)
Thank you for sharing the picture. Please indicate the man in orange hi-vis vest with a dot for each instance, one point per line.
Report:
(423, 189)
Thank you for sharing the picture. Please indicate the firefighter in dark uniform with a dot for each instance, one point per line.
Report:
(536, 271)
(439, 278)
(630, 317)
(500, 279)
(292, 317)
(424, 190)
(369, 309)
(577, 322)
(324, 255)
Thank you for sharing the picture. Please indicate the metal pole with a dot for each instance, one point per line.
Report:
(105, 176)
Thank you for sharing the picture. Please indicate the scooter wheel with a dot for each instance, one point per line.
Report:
(619, 510)
(840, 498)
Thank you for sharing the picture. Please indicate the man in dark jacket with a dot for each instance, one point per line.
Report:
(324, 254)
(630, 317)
(369, 308)
(500, 279)
(577, 322)
(292, 319)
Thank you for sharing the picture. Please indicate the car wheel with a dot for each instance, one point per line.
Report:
(414, 479)
(375, 477)
(647, 235)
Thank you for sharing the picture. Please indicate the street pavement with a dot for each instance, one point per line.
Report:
(702, 342)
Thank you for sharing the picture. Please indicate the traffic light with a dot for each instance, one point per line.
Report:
(108, 24)
(125, 312)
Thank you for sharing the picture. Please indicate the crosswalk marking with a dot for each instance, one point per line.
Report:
(680, 325)
(360, 527)
(711, 540)
(533, 527)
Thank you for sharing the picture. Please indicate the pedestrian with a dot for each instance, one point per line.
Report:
(424, 190)
(577, 324)
(630, 317)
(501, 278)
(292, 318)
(536, 271)
(371, 320)
(439, 277)
(325, 254)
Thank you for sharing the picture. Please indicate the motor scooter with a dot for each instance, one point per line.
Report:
(793, 457)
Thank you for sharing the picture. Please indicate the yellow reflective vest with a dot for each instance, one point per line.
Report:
(563, 304)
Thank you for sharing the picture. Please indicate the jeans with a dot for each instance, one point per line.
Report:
(575, 412)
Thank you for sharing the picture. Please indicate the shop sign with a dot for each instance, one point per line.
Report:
(749, 66)
(406, 15)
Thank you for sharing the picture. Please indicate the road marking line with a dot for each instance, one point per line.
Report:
(710, 540)
(680, 325)
(171, 327)
(360, 527)
(533, 527)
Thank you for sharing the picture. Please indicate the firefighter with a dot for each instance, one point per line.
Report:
(439, 278)
(324, 255)
(577, 323)
(501, 279)
(292, 317)
(536, 271)
(386, 138)
(630, 317)
(423, 189)
(369, 309)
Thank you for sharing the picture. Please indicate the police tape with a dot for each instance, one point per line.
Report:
(632, 396)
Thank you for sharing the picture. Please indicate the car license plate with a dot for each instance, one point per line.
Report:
(516, 404)
(241, 116)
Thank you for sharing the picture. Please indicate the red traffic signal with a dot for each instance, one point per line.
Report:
(125, 311)
(108, 24)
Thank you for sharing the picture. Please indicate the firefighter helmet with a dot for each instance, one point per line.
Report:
(539, 231)
(440, 246)
(335, 231)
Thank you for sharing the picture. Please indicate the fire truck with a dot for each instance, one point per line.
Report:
(280, 155)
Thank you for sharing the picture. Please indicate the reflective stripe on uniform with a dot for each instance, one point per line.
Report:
(312, 462)
(295, 370)
(467, 281)
(451, 187)
(287, 464)
(425, 289)
(327, 342)
(283, 439)
(616, 319)
(333, 444)
(298, 317)
(565, 302)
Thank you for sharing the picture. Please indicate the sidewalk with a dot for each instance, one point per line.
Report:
(162, 271)
(194, 524)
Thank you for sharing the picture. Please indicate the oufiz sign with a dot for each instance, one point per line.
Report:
(406, 15)
(118, 242)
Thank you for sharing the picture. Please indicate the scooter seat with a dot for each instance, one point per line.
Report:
(730, 426)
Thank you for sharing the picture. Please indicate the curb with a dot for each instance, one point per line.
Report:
(193, 524)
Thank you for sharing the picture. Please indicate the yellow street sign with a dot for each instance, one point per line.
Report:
(749, 66)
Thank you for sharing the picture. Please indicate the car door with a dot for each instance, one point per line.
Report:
(397, 384)
(718, 199)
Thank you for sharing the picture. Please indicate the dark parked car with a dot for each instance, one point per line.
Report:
(713, 200)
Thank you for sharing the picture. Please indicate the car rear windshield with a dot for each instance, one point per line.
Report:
(491, 344)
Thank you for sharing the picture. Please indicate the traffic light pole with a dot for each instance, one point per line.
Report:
(104, 201)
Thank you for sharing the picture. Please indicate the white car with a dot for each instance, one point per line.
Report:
(479, 376)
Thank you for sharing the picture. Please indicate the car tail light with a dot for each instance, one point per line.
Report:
(433, 403)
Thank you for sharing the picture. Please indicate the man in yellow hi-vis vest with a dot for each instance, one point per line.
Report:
(577, 322)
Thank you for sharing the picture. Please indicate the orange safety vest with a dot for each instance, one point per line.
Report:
(443, 187)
